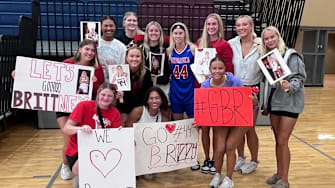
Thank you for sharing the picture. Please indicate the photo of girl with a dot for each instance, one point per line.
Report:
(90, 30)
(156, 63)
(83, 82)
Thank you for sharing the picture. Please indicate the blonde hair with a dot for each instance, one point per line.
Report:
(281, 43)
(141, 71)
(173, 43)
(204, 40)
(94, 62)
(130, 13)
(250, 21)
(146, 43)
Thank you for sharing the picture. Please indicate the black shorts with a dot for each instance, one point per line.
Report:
(62, 114)
(71, 160)
(280, 113)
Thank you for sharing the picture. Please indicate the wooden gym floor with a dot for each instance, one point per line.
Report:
(30, 157)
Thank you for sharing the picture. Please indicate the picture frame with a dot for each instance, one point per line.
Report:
(90, 30)
(156, 63)
(273, 66)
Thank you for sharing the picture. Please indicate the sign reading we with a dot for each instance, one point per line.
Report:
(107, 158)
(165, 146)
(229, 106)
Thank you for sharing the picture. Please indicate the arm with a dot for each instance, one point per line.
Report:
(227, 56)
(298, 76)
(134, 116)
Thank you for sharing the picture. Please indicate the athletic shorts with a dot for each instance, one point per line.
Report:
(280, 113)
(181, 108)
(62, 114)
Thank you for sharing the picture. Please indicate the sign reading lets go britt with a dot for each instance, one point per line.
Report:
(49, 85)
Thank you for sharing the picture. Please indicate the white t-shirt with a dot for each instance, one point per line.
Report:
(111, 53)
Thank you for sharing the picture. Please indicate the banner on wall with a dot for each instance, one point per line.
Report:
(49, 85)
(228, 106)
(165, 146)
(107, 158)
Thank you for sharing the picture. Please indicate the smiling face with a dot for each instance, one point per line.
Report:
(130, 23)
(178, 36)
(153, 33)
(108, 29)
(154, 100)
(270, 39)
(105, 98)
(217, 69)
(134, 59)
(87, 52)
(243, 27)
(212, 27)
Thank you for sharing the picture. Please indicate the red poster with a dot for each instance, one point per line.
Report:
(230, 106)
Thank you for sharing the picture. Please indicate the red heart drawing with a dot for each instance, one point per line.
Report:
(105, 164)
(170, 127)
(200, 49)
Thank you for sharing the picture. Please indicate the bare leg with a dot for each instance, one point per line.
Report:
(286, 126)
(75, 168)
(252, 139)
(275, 127)
(61, 122)
(220, 136)
(234, 137)
(205, 140)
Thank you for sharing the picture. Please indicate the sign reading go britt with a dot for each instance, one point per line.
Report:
(49, 85)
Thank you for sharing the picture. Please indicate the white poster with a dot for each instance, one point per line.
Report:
(273, 66)
(166, 146)
(107, 158)
(202, 57)
(156, 63)
(90, 30)
(120, 75)
(50, 86)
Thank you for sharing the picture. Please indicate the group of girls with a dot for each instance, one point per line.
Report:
(234, 66)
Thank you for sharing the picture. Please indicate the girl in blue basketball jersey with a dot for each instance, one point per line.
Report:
(181, 55)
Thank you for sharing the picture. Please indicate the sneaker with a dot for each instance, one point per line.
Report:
(280, 184)
(65, 172)
(212, 169)
(239, 163)
(273, 179)
(76, 182)
(227, 183)
(216, 180)
(196, 167)
(147, 176)
(247, 168)
(205, 167)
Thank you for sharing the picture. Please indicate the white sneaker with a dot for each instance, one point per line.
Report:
(216, 180)
(65, 172)
(227, 183)
(247, 168)
(239, 163)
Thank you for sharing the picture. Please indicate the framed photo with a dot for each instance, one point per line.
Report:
(156, 63)
(200, 67)
(120, 75)
(90, 30)
(83, 83)
(273, 66)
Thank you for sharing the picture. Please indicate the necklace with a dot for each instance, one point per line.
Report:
(219, 85)
(154, 117)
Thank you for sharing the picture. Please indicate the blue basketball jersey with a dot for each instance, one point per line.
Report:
(183, 81)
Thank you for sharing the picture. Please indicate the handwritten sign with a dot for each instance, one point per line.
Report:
(107, 158)
(120, 75)
(230, 106)
(166, 146)
(49, 85)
